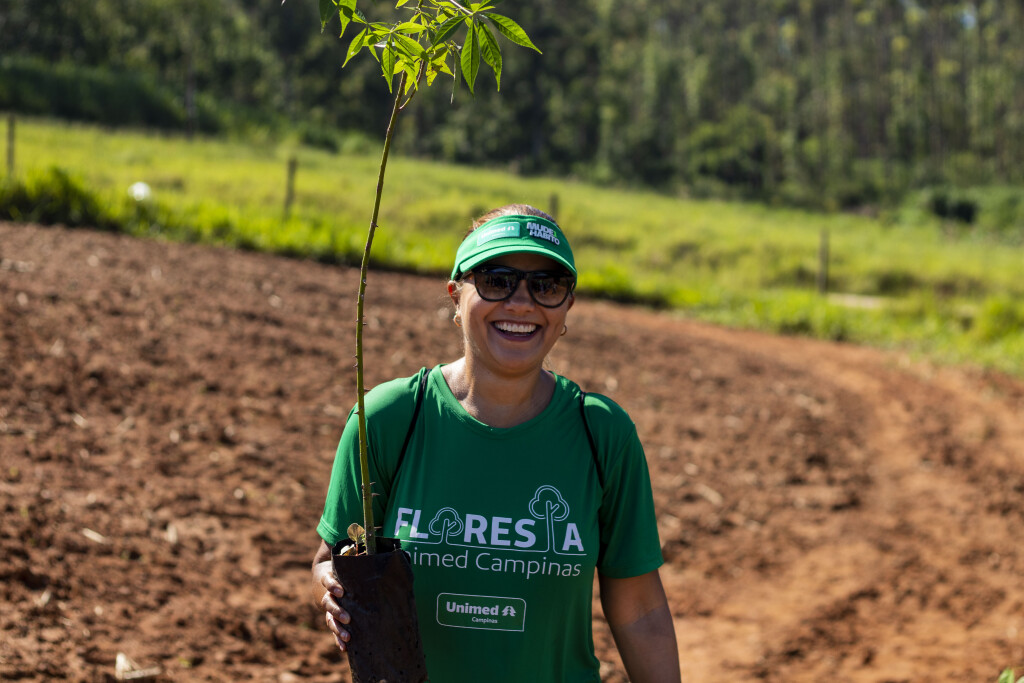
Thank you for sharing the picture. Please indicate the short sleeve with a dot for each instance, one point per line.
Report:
(389, 410)
(629, 527)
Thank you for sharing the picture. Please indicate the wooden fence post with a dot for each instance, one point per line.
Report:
(289, 194)
(553, 206)
(190, 96)
(823, 263)
(10, 145)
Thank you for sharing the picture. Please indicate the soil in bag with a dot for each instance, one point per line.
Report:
(385, 645)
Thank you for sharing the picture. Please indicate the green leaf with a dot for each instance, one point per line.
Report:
(355, 46)
(440, 57)
(346, 9)
(490, 50)
(408, 46)
(442, 15)
(456, 79)
(411, 81)
(410, 27)
(438, 65)
(326, 10)
(511, 30)
(401, 2)
(446, 29)
(387, 64)
(470, 56)
(432, 72)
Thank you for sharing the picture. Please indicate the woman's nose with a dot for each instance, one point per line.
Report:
(521, 296)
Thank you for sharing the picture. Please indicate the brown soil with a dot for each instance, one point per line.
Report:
(168, 416)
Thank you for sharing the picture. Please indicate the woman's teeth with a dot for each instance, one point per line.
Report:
(515, 328)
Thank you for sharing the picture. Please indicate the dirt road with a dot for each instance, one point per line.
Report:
(168, 416)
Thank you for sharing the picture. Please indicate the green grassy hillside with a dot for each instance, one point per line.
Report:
(918, 284)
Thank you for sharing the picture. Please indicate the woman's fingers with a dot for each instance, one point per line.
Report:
(341, 636)
(330, 605)
(325, 573)
(336, 615)
(333, 586)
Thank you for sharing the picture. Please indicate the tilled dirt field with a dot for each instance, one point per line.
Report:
(168, 417)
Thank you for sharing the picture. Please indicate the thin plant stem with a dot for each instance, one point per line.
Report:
(364, 462)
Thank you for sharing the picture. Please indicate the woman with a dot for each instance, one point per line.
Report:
(513, 488)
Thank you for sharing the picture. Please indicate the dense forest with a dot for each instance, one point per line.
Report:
(807, 102)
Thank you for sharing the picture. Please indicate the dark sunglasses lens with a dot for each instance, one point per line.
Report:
(495, 285)
(549, 289)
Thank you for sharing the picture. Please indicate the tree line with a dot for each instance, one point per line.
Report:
(808, 102)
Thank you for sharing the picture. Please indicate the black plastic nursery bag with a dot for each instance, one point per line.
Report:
(385, 645)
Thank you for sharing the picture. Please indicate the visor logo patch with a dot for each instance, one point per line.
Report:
(496, 232)
(543, 232)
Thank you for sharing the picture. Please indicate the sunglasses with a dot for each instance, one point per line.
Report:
(546, 288)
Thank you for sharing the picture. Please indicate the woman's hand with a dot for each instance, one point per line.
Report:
(326, 588)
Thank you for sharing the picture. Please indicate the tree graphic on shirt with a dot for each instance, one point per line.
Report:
(446, 522)
(548, 504)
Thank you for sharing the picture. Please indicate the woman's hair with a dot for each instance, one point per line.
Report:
(510, 210)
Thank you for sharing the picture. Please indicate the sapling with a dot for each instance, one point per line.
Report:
(1008, 676)
(415, 51)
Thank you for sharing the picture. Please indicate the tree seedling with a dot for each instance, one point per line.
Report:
(1008, 676)
(415, 50)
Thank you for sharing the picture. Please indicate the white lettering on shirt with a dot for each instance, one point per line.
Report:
(414, 533)
(400, 522)
(572, 538)
(499, 530)
(476, 525)
(528, 537)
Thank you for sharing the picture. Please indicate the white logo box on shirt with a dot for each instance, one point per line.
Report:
(490, 612)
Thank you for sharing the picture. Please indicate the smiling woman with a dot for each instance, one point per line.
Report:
(507, 333)
(512, 486)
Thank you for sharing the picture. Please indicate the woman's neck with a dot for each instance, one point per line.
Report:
(499, 400)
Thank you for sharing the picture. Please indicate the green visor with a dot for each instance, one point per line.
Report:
(513, 235)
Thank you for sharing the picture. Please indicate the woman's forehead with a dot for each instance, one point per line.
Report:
(524, 261)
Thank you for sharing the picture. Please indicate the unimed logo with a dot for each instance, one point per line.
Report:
(495, 232)
(490, 612)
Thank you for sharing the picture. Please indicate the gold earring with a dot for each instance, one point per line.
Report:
(565, 328)
(457, 319)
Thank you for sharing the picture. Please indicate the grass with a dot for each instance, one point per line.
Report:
(923, 285)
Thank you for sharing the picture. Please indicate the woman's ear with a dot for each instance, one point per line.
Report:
(453, 292)
(572, 300)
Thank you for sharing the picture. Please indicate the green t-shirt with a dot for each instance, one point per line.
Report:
(504, 527)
